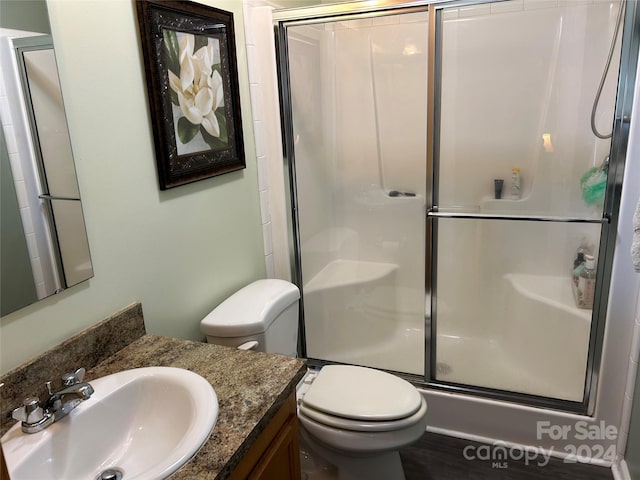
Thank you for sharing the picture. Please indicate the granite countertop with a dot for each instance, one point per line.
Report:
(251, 387)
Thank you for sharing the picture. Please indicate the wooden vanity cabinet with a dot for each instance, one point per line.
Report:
(4, 473)
(275, 455)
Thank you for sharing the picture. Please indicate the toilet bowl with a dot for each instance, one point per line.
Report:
(352, 419)
(357, 418)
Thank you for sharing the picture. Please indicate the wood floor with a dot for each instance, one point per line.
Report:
(439, 457)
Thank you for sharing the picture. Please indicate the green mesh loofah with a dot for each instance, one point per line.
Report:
(594, 184)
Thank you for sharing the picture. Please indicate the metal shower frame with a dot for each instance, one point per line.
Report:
(283, 19)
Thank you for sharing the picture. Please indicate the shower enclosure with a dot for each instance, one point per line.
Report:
(400, 125)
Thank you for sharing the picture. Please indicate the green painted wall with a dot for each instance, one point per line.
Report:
(180, 252)
(28, 15)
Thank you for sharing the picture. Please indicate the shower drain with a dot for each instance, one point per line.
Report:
(110, 474)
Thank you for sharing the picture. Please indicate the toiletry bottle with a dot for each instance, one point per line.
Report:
(515, 183)
(587, 282)
(579, 259)
(578, 266)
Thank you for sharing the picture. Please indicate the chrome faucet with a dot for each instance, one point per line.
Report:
(36, 417)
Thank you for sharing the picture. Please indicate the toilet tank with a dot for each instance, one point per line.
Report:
(265, 311)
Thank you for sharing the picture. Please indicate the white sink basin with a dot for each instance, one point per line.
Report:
(145, 423)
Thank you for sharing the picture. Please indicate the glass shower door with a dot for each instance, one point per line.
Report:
(358, 100)
(520, 193)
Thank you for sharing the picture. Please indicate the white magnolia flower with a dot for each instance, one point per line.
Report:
(199, 89)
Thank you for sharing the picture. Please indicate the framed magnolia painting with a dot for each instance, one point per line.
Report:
(192, 85)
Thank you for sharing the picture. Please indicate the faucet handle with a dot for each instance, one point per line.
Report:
(72, 378)
(33, 417)
(30, 411)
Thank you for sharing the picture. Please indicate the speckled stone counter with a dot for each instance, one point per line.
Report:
(84, 349)
(251, 387)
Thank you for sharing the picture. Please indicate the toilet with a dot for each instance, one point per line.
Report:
(262, 316)
(353, 420)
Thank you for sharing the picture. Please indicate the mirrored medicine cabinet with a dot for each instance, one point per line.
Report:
(44, 246)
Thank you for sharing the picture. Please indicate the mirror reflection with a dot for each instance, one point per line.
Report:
(43, 244)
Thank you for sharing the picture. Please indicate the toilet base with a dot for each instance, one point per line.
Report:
(321, 463)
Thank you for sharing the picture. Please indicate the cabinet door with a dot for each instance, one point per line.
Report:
(275, 455)
(282, 459)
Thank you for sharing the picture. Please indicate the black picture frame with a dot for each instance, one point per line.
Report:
(189, 56)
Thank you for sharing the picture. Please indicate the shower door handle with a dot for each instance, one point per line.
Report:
(46, 196)
(434, 213)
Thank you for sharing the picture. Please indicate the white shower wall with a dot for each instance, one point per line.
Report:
(509, 76)
(359, 112)
(378, 123)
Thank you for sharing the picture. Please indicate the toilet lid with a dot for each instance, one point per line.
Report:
(362, 394)
(304, 411)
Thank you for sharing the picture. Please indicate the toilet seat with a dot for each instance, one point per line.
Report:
(360, 425)
(362, 399)
(348, 441)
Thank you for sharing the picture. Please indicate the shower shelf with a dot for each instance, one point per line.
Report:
(343, 273)
(554, 291)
